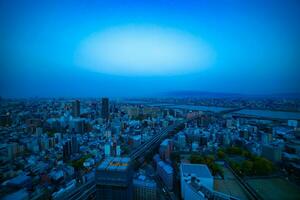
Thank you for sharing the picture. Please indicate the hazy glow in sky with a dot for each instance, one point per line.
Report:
(144, 50)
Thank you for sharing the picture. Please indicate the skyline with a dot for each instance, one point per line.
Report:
(249, 47)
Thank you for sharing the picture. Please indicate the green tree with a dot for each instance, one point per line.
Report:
(175, 157)
(125, 150)
(209, 161)
(247, 167)
(78, 164)
(196, 159)
(262, 166)
(236, 167)
(221, 154)
(234, 150)
(51, 133)
(121, 139)
(248, 155)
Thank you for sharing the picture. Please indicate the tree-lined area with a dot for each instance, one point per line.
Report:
(240, 160)
(209, 161)
(251, 165)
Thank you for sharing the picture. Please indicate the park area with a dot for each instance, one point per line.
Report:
(275, 188)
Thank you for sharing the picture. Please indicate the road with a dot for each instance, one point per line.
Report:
(152, 143)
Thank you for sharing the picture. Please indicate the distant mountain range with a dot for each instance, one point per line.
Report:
(203, 94)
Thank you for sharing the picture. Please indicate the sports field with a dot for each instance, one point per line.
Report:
(275, 188)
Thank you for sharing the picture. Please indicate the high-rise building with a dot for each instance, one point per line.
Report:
(105, 108)
(165, 149)
(76, 108)
(118, 150)
(181, 141)
(74, 145)
(144, 188)
(266, 138)
(77, 125)
(114, 179)
(67, 150)
(165, 171)
(69, 147)
(58, 137)
(136, 140)
(107, 150)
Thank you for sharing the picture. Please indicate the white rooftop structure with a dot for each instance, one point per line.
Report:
(115, 164)
(197, 182)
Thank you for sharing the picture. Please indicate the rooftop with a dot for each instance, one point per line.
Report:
(165, 142)
(115, 164)
(142, 180)
(167, 168)
(199, 170)
(19, 180)
(21, 194)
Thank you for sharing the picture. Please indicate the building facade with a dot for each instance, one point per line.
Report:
(114, 179)
(166, 173)
(76, 108)
(105, 108)
(144, 188)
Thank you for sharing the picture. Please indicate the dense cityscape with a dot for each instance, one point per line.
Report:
(149, 100)
(168, 148)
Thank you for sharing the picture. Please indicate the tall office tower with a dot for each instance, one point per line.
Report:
(74, 144)
(105, 108)
(114, 179)
(165, 149)
(67, 150)
(76, 108)
(181, 141)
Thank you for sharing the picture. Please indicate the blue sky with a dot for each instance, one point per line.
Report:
(243, 47)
